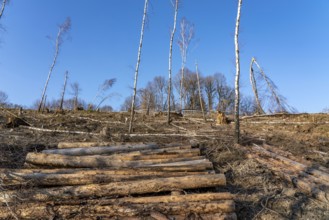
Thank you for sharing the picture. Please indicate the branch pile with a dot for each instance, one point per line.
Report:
(91, 181)
(311, 179)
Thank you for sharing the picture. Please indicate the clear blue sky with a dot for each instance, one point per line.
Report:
(288, 37)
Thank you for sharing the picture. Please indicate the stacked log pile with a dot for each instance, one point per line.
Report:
(309, 178)
(87, 181)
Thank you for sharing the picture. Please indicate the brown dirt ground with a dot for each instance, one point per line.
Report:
(259, 193)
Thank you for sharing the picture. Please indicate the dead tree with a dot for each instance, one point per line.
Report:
(170, 56)
(4, 2)
(63, 29)
(63, 93)
(75, 92)
(254, 88)
(272, 88)
(199, 88)
(137, 67)
(185, 38)
(101, 93)
(237, 75)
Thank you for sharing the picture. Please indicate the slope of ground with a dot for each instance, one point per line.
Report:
(260, 194)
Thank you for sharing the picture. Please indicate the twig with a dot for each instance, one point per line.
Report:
(6, 202)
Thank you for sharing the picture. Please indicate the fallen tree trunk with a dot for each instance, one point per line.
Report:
(58, 131)
(112, 149)
(62, 145)
(292, 157)
(215, 216)
(116, 188)
(186, 166)
(160, 156)
(300, 179)
(36, 211)
(298, 166)
(57, 160)
(107, 171)
(81, 178)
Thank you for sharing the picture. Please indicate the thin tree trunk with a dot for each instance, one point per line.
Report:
(137, 67)
(3, 7)
(201, 104)
(170, 58)
(51, 69)
(63, 93)
(269, 84)
(181, 84)
(254, 88)
(237, 75)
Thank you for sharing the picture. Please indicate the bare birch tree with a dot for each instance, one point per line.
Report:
(63, 92)
(175, 5)
(4, 2)
(237, 75)
(185, 38)
(75, 87)
(278, 100)
(63, 29)
(137, 67)
(254, 88)
(210, 89)
(199, 88)
(108, 83)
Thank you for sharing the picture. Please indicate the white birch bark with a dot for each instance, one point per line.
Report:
(62, 30)
(137, 67)
(271, 87)
(170, 58)
(254, 88)
(199, 87)
(3, 7)
(237, 75)
(63, 93)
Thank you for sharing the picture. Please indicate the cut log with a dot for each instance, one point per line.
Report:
(82, 177)
(298, 166)
(37, 211)
(94, 144)
(109, 150)
(292, 157)
(108, 171)
(136, 155)
(303, 181)
(202, 165)
(216, 216)
(117, 188)
(57, 160)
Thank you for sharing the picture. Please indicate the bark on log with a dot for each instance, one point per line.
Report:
(171, 167)
(216, 216)
(132, 156)
(56, 160)
(37, 211)
(292, 157)
(117, 188)
(306, 183)
(81, 178)
(91, 171)
(62, 145)
(109, 150)
(298, 166)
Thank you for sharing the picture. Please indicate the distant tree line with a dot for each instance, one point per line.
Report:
(216, 94)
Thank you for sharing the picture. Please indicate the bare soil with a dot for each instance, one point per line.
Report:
(259, 193)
